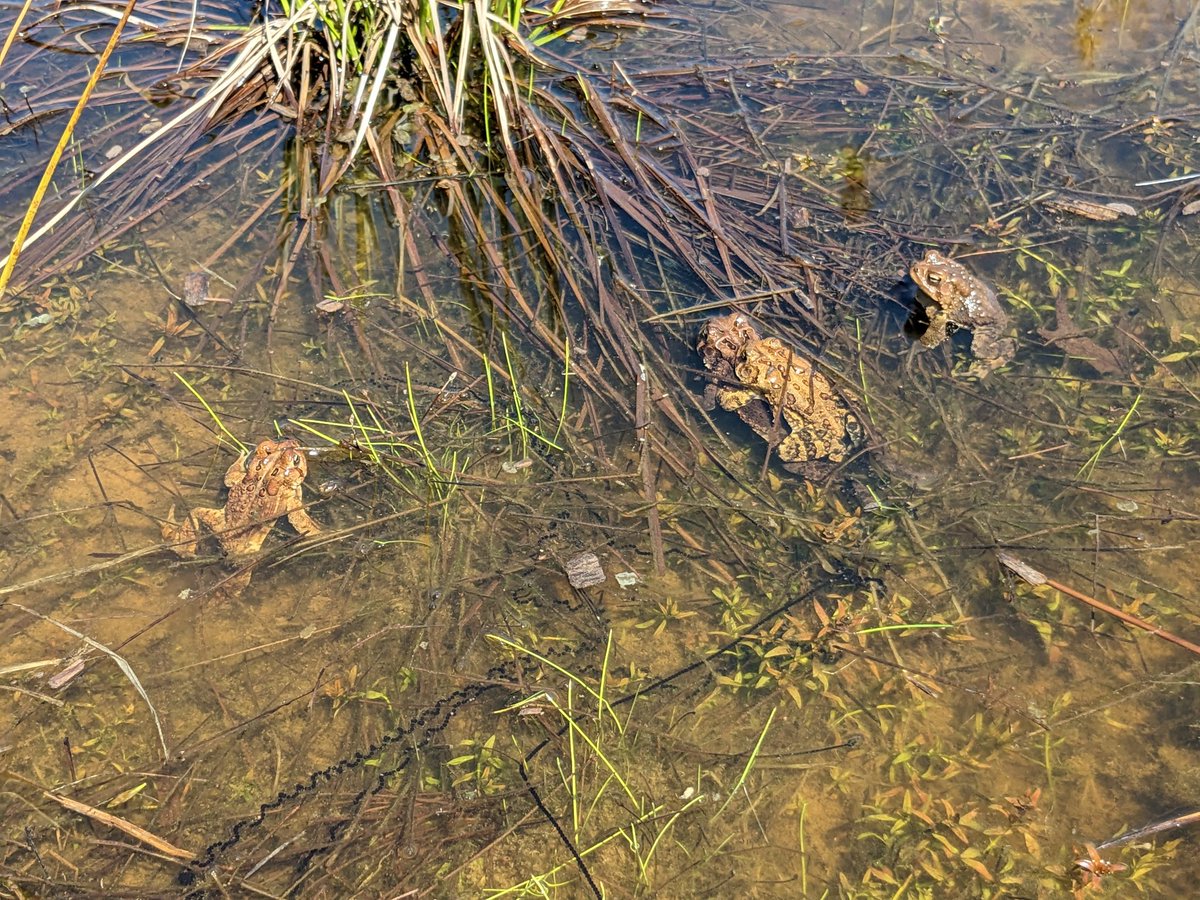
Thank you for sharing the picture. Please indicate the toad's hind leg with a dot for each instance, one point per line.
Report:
(798, 447)
(990, 346)
(186, 535)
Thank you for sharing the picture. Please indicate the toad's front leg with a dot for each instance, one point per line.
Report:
(936, 332)
(236, 473)
(186, 535)
(303, 522)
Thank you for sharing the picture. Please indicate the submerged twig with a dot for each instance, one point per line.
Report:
(120, 824)
(1170, 824)
(1026, 572)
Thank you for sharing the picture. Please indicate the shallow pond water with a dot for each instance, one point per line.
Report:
(782, 687)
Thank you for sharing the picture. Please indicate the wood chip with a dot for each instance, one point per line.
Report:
(1021, 569)
(1097, 212)
(195, 289)
(584, 570)
(66, 676)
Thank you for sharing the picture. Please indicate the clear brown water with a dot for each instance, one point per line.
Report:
(816, 756)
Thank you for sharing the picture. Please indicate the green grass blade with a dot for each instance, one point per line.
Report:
(749, 765)
(242, 448)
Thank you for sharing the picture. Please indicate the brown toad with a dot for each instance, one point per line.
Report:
(966, 301)
(261, 491)
(763, 380)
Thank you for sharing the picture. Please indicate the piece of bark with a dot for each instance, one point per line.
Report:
(1069, 337)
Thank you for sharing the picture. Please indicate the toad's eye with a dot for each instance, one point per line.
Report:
(934, 278)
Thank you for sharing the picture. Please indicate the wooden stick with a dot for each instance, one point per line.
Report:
(129, 828)
(1033, 576)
